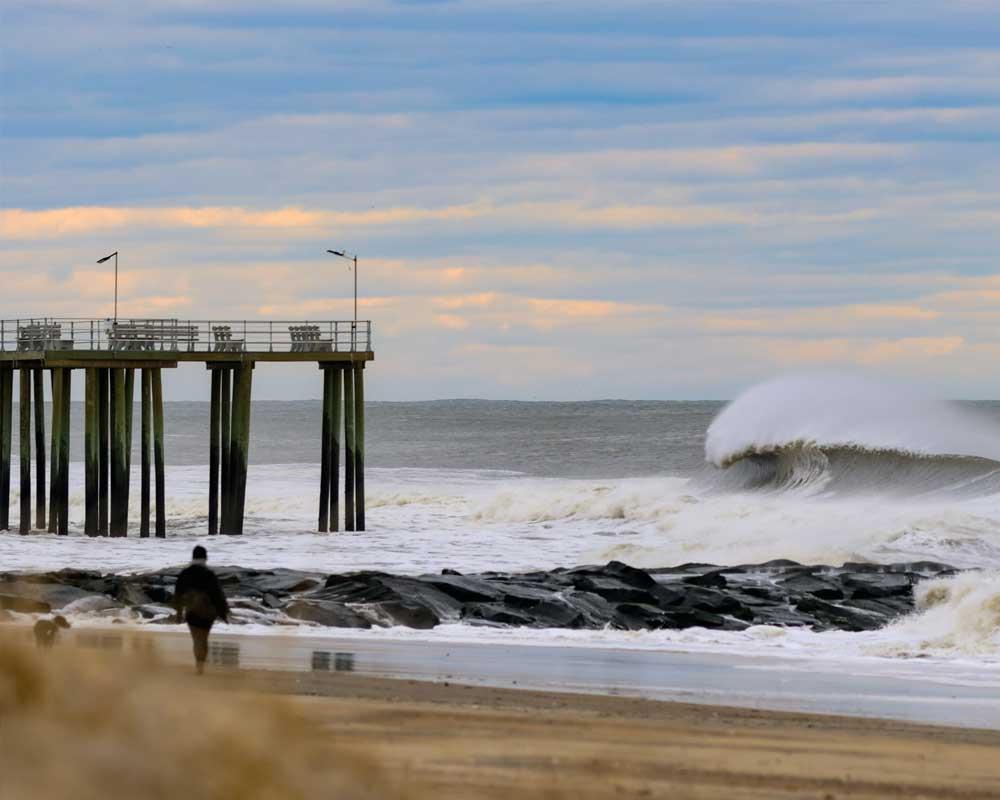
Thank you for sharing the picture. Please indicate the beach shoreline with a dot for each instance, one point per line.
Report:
(906, 690)
(471, 741)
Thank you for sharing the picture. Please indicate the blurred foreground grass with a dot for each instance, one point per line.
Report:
(80, 724)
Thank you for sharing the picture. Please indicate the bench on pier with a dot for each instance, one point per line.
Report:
(224, 341)
(42, 336)
(306, 339)
(169, 335)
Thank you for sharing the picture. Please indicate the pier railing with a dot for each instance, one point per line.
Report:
(191, 336)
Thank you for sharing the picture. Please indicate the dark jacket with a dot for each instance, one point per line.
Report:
(199, 594)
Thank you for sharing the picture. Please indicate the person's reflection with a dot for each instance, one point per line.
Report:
(343, 662)
(320, 661)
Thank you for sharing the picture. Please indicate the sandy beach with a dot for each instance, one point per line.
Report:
(463, 742)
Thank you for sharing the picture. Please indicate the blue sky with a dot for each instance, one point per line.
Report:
(550, 200)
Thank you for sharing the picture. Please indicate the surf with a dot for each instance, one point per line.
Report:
(846, 434)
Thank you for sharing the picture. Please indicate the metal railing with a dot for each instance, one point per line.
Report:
(35, 334)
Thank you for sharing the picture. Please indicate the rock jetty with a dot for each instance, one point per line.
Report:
(851, 597)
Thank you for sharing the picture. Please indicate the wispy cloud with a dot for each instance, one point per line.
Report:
(672, 199)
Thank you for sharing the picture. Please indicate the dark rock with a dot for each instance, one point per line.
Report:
(640, 616)
(837, 617)
(874, 586)
(23, 605)
(714, 579)
(131, 595)
(613, 590)
(781, 592)
(391, 613)
(326, 612)
(55, 595)
(497, 614)
(809, 584)
(464, 589)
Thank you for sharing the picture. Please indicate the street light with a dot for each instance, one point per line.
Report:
(354, 258)
(101, 261)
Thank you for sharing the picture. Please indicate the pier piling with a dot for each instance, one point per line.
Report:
(359, 446)
(55, 377)
(24, 409)
(214, 449)
(225, 445)
(6, 423)
(104, 446)
(145, 444)
(156, 387)
(129, 419)
(119, 459)
(64, 447)
(91, 454)
(325, 452)
(349, 443)
(336, 404)
(240, 447)
(41, 513)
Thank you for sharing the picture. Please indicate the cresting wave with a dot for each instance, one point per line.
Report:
(841, 434)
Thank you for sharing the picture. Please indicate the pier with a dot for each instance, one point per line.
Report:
(110, 352)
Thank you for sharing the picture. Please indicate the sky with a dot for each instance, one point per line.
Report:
(550, 200)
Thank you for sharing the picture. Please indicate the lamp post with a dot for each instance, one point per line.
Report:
(101, 261)
(354, 325)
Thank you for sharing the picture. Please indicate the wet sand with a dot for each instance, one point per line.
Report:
(911, 690)
(479, 742)
(452, 740)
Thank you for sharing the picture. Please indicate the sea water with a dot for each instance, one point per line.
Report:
(816, 468)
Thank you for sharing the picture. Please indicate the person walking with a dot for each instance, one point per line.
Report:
(199, 601)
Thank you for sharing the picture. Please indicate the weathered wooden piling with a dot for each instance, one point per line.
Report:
(225, 444)
(24, 409)
(214, 449)
(119, 457)
(6, 423)
(145, 443)
(349, 443)
(336, 406)
(41, 515)
(326, 441)
(156, 387)
(91, 448)
(104, 447)
(240, 448)
(55, 376)
(359, 446)
(129, 419)
(64, 447)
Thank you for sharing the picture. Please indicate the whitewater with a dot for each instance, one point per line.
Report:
(818, 468)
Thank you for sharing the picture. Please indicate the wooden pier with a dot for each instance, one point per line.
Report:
(109, 352)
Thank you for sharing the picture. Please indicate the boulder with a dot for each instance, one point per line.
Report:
(23, 605)
(811, 585)
(390, 613)
(326, 612)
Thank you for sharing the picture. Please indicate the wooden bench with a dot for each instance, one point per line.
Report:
(306, 339)
(42, 336)
(224, 341)
(169, 335)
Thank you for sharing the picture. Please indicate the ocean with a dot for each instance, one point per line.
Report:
(815, 468)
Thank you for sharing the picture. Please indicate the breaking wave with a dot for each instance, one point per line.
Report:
(839, 434)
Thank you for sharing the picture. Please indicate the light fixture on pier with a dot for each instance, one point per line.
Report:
(354, 258)
(101, 261)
